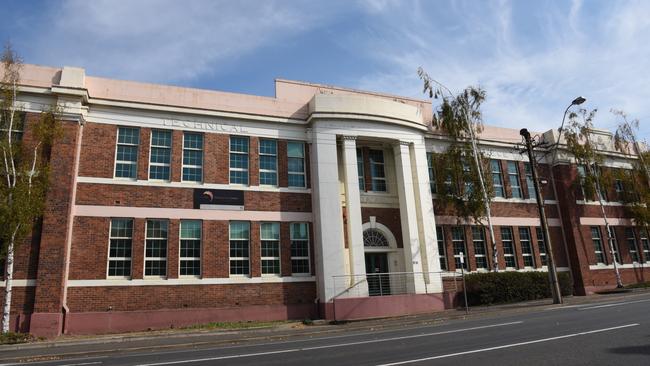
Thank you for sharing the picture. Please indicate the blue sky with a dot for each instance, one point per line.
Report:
(532, 57)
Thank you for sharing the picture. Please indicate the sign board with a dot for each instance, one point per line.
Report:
(218, 199)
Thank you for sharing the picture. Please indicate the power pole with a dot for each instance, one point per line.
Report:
(552, 272)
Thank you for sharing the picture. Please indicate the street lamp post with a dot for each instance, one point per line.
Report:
(552, 272)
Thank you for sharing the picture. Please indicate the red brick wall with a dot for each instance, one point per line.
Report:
(134, 298)
(389, 217)
(98, 150)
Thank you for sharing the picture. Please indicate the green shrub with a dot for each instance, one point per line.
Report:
(13, 338)
(504, 287)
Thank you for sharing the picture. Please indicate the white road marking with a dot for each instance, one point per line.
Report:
(329, 346)
(612, 304)
(509, 345)
(561, 307)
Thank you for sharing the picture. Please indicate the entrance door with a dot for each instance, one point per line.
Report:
(376, 271)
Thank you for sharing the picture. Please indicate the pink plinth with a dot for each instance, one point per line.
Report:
(384, 306)
(46, 324)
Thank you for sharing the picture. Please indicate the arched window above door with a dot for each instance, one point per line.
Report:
(375, 239)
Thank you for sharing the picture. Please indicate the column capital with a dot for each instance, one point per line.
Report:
(348, 138)
(404, 143)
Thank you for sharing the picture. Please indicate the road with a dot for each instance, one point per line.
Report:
(605, 333)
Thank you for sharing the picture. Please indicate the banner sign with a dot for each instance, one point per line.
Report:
(218, 199)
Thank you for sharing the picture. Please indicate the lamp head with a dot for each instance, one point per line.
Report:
(524, 132)
(578, 101)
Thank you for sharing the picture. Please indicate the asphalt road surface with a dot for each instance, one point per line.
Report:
(606, 333)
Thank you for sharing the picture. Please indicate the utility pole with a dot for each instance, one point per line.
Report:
(552, 272)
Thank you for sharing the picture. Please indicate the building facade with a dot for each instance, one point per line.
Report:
(172, 206)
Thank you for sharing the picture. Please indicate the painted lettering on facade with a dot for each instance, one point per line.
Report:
(205, 126)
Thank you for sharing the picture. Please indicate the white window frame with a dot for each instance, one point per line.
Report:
(530, 184)
(377, 178)
(124, 259)
(183, 165)
(360, 170)
(231, 152)
(464, 265)
(180, 245)
(169, 148)
(524, 254)
(496, 171)
(239, 259)
(137, 154)
(480, 241)
(442, 254)
(304, 165)
(634, 250)
(432, 174)
(616, 251)
(307, 242)
(279, 249)
(598, 252)
(514, 179)
(645, 245)
(512, 255)
(155, 259)
(275, 156)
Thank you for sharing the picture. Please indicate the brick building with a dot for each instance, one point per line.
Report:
(173, 206)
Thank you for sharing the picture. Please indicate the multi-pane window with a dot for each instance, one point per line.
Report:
(526, 247)
(541, 245)
(268, 162)
(480, 253)
(362, 182)
(377, 172)
(17, 128)
(598, 245)
(190, 248)
(442, 250)
(192, 157)
(126, 159)
(497, 179)
(631, 244)
(507, 240)
(612, 237)
(270, 247)
(119, 253)
(469, 185)
(582, 174)
(529, 180)
(161, 154)
(645, 244)
(513, 178)
(296, 163)
(458, 243)
(618, 185)
(155, 252)
(432, 173)
(300, 248)
(238, 160)
(239, 248)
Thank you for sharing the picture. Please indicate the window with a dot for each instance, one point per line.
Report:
(442, 250)
(598, 245)
(529, 181)
(582, 174)
(120, 244)
(541, 245)
(617, 253)
(126, 159)
(296, 164)
(478, 237)
(155, 253)
(513, 177)
(631, 244)
(645, 244)
(507, 241)
(239, 248)
(362, 181)
(190, 256)
(17, 129)
(432, 173)
(192, 157)
(497, 180)
(300, 248)
(238, 160)
(618, 185)
(469, 185)
(458, 243)
(526, 247)
(268, 162)
(160, 156)
(270, 247)
(377, 172)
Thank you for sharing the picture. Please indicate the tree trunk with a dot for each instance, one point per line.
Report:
(610, 240)
(9, 276)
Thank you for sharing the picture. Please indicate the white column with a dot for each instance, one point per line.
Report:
(426, 218)
(408, 216)
(354, 221)
(328, 217)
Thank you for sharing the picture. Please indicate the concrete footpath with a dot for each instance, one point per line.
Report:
(83, 346)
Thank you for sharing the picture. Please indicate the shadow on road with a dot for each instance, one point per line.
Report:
(641, 350)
